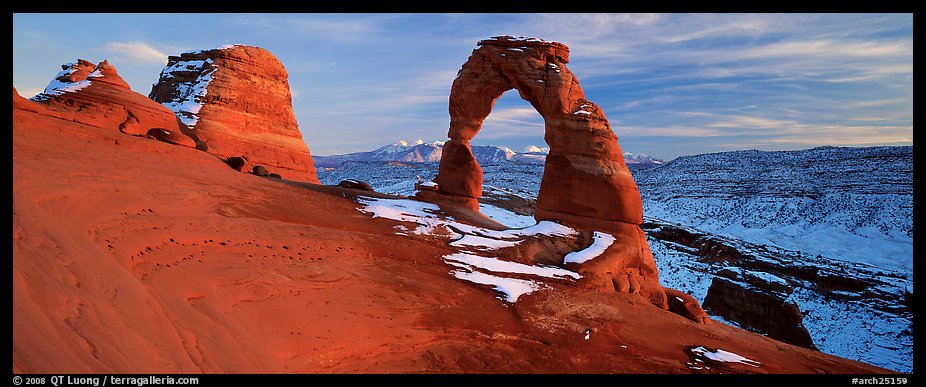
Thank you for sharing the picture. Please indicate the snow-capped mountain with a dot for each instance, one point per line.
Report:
(419, 152)
(490, 154)
(641, 158)
(535, 149)
(401, 151)
(422, 152)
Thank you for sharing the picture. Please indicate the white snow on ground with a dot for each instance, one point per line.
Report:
(854, 331)
(833, 225)
(598, 247)
(680, 271)
(497, 265)
(56, 87)
(849, 219)
(223, 47)
(724, 356)
(403, 210)
(483, 243)
(772, 279)
(405, 187)
(506, 217)
(511, 287)
(190, 95)
(769, 278)
(542, 228)
(474, 241)
(425, 215)
(407, 210)
(838, 327)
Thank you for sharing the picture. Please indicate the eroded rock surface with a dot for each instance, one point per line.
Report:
(96, 95)
(236, 98)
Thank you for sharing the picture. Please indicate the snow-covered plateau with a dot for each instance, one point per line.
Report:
(835, 224)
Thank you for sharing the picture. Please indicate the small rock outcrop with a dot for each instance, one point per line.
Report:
(172, 137)
(260, 170)
(356, 184)
(96, 95)
(684, 304)
(237, 99)
(758, 301)
(237, 163)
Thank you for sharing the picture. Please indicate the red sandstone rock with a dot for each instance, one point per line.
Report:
(585, 183)
(685, 305)
(757, 304)
(132, 258)
(173, 137)
(585, 173)
(237, 100)
(458, 161)
(96, 95)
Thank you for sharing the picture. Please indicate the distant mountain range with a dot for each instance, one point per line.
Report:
(430, 152)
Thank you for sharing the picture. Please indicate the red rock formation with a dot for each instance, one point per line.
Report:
(585, 174)
(163, 265)
(755, 302)
(134, 257)
(685, 305)
(237, 100)
(96, 95)
(173, 137)
(585, 181)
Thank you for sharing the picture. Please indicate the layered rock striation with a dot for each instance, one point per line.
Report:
(758, 301)
(236, 98)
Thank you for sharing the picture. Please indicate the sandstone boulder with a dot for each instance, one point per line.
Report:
(237, 100)
(237, 163)
(356, 184)
(685, 305)
(260, 170)
(172, 137)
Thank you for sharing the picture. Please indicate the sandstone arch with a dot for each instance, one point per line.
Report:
(585, 182)
(585, 177)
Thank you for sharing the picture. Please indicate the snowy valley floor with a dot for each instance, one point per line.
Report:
(846, 327)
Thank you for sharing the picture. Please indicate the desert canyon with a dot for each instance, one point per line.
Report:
(187, 232)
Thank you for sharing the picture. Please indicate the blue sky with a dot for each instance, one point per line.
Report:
(671, 84)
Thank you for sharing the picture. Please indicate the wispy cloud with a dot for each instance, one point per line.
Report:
(338, 28)
(506, 122)
(674, 131)
(135, 51)
(742, 121)
(742, 25)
